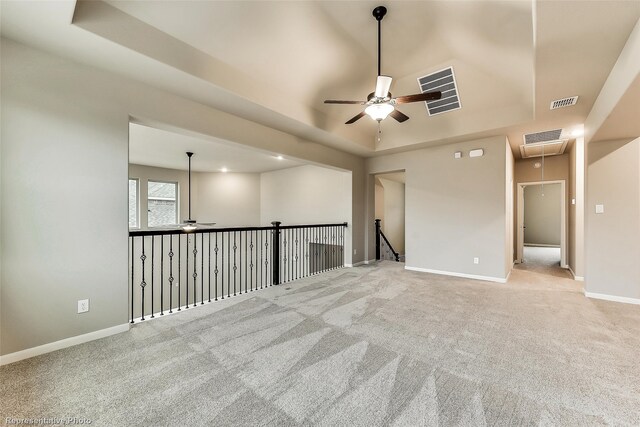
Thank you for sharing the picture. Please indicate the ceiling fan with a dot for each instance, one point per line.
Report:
(380, 103)
(189, 224)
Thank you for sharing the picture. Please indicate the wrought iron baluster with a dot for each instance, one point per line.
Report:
(161, 275)
(186, 273)
(260, 265)
(133, 238)
(269, 272)
(143, 284)
(202, 269)
(251, 233)
(195, 269)
(209, 267)
(228, 264)
(170, 273)
(152, 260)
(246, 263)
(240, 262)
(222, 267)
(215, 283)
(179, 268)
(235, 267)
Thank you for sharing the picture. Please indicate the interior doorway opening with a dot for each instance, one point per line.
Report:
(541, 239)
(390, 210)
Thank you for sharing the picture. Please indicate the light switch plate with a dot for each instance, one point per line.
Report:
(457, 155)
(573, 201)
(599, 209)
(83, 306)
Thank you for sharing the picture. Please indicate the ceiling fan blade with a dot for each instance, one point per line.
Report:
(400, 117)
(427, 96)
(355, 118)
(382, 86)
(338, 101)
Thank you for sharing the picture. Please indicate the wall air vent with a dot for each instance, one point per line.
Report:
(544, 136)
(445, 82)
(565, 102)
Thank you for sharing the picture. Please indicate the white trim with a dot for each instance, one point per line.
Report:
(371, 261)
(465, 275)
(64, 343)
(614, 298)
(357, 264)
(578, 278)
(537, 245)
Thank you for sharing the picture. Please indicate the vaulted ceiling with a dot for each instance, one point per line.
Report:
(274, 62)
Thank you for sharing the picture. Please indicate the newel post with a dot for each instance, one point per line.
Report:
(275, 247)
(377, 240)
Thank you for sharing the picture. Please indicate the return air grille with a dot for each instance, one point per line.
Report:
(445, 82)
(565, 102)
(544, 136)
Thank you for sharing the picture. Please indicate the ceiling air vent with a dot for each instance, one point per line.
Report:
(544, 136)
(545, 143)
(565, 102)
(445, 82)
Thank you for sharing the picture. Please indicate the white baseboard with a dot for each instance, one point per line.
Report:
(465, 275)
(577, 278)
(357, 264)
(57, 345)
(371, 261)
(614, 298)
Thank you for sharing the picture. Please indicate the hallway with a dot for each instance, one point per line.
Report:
(543, 260)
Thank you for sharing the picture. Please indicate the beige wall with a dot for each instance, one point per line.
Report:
(64, 188)
(542, 214)
(228, 199)
(393, 221)
(379, 200)
(455, 208)
(576, 208)
(613, 237)
(509, 208)
(306, 195)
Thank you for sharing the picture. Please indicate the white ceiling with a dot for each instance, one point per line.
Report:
(156, 147)
(274, 62)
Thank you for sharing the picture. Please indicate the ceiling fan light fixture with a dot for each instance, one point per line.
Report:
(379, 112)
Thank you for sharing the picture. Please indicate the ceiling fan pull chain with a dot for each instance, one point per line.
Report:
(379, 132)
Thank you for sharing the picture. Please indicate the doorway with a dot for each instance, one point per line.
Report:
(390, 210)
(541, 223)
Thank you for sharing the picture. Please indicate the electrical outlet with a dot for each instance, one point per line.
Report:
(476, 260)
(83, 305)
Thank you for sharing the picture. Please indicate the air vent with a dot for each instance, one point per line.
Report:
(550, 148)
(445, 82)
(544, 136)
(565, 102)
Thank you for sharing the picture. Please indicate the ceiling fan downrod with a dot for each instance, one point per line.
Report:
(379, 13)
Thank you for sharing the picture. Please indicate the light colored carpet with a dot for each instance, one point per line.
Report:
(366, 346)
(543, 261)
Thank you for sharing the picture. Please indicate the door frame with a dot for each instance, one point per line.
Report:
(563, 220)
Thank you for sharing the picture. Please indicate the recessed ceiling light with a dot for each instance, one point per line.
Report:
(279, 157)
(537, 165)
(224, 169)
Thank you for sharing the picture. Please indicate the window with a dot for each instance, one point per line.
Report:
(133, 203)
(162, 203)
